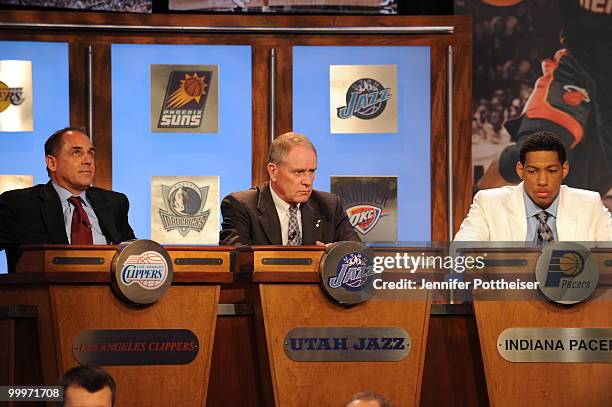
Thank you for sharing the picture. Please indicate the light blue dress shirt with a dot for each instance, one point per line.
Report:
(68, 209)
(531, 210)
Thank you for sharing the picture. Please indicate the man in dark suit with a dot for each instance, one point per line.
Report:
(286, 210)
(67, 209)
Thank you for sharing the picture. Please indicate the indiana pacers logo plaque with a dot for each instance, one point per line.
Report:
(567, 273)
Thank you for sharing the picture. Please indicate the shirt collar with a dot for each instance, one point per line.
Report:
(279, 202)
(531, 209)
(64, 194)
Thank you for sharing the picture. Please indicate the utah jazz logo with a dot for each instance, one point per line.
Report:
(185, 99)
(564, 265)
(366, 99)
(353, 272)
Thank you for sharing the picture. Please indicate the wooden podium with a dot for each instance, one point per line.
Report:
(290, 297)
(66, 289)
(543, 384)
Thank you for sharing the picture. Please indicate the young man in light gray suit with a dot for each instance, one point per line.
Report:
(538, 210)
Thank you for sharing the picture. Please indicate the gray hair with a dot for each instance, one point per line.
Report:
(370, 396)
(280, 147)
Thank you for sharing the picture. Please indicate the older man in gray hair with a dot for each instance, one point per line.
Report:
(286, 210)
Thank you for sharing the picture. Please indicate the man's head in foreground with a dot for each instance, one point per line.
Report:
(542, 167)
(292, 163)
(87, 386)
(70, 159)
(368, 399)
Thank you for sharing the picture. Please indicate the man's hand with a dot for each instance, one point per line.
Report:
(318, 243)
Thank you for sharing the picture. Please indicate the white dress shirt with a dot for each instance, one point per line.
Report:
(68, 209)
(282, 208)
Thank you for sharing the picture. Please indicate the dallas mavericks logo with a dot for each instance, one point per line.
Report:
(563, 266)
(184, 203)
(185, 99)
(364, 217)
(353, 272)
(149, 270)
(366, 99)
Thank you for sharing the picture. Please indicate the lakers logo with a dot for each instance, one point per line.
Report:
(366, 99)
(10, 96)
(185, 99)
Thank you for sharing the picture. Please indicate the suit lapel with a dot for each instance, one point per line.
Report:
(311, 227)
(52, 214)
(268, 217)
(104, 214)
(518, 218)
(566, 219)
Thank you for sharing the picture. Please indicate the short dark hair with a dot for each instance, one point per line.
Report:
(91, 378)
(542, 141)
(370, 396)
(54, 142)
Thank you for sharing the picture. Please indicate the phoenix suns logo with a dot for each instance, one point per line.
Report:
(366, 99)
(185, 99)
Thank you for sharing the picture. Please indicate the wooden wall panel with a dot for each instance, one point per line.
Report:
(453, 363)
(439, 144)
(462, 131)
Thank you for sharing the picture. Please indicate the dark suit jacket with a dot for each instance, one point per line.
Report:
(34, 216)
(250, 218)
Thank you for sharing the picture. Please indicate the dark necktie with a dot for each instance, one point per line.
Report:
(294, 235)
(545, 235)
(80, 231)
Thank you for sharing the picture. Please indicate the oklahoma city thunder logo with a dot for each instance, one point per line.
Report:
(366, 99)
(185, 99)
(149, 270)
(364, 217)
(353, 272)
